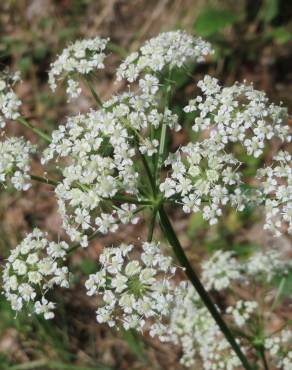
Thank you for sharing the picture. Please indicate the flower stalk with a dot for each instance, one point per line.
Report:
(93, 92)
(152, 226)
(37, 131)
(190, 272)
(43, 180)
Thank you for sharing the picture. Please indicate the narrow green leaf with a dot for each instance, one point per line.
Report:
(88, 266)
(211, 21)
(280, 35)
(269, 10)
(284, 285)
(135, 344)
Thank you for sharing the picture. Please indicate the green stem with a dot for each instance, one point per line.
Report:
(148, 171)
(167, 97)
(160, 152)
(279, 292)
(37, 131)
(263, 357)
(44, 180)
(180, 254)
(126, 199)
(144, 160)
(152, 226)
(94, 94)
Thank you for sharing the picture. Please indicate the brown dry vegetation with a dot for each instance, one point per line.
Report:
(32, 33)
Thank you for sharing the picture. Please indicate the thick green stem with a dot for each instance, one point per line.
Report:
(263, 357)
(94, 94)
(180, 254)
(37, 131)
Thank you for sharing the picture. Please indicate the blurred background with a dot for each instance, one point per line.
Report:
(253, 40)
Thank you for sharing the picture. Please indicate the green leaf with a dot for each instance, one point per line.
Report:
(41, 52)
(196, 224)
(88, 266)
(211, 21)
(136, 344)
(24, 64)
(245, 250)
(280, 35)
(45, 23)
(66, 33)
(3, 360)
(269, 10)
(285, 283)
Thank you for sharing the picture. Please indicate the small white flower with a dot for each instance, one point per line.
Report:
(15, 157)
(73, 89)
(149, 84)
(149, 147)
(106, 223)
(169, 49)
(133, 292)
(46, 308)
(9, 102)
(275, 183)
(127, 214)
(34, 266)
(81, 57)
(220, 270)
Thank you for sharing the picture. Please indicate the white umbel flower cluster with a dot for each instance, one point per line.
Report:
(170, 49)
(276, 184)
(9, 102)
(238, 113)
(100, 165)
(264, 266)
(206, 178)
(101, 147)
(206, 175)
(134, 291)
(34, 267)
(82, 57)
(15, 157)
(193, 327)
(222, 269)
(242, 311)
(279, 346)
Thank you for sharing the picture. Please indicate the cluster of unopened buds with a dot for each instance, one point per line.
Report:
(114, 163)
